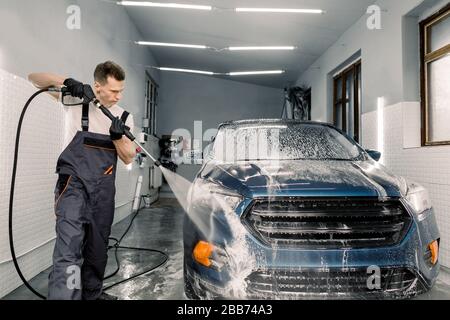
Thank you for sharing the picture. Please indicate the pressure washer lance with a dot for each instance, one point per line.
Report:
(128, 134)
(89, 96)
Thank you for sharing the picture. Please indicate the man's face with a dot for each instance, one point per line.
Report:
(110, 92)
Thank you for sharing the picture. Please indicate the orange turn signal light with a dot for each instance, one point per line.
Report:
(202, 252)
(434, 248)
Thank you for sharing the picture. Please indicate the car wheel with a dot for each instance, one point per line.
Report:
(188, 290)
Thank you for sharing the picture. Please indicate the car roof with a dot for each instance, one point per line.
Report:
(271, 122)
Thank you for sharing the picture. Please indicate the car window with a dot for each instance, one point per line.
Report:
(296, 141)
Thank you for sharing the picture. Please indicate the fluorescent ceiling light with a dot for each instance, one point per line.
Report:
(246, 73)
(262, 48)
(279, 10)
(210, 73)
(209, 8)
(164, 44)
(195, 46)
(186, 70)
(164, 5)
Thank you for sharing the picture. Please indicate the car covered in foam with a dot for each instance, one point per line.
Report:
(285, 209)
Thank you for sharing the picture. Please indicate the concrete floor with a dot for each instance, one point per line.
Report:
(159, 227)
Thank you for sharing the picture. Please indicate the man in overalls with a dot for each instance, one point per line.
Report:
(85, 191)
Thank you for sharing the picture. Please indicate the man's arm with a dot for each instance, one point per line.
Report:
(45, 80)
(125, 149)
(124, 146)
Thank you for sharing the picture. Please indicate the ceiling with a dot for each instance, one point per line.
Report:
(313, 34)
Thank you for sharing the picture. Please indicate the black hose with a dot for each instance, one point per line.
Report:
(140, 273)
(11, 196)
(10, 216)
(117, 246)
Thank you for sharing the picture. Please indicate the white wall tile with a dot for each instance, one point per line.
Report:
(429, 166)
(41, 143)
(411, 125)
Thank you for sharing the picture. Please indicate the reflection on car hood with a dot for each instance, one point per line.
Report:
(305, 178)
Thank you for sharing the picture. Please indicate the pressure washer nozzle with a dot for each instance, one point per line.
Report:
(157, 163)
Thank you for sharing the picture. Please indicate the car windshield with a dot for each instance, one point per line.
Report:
(292, 141)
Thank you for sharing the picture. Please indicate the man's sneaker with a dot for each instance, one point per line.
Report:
(105, 296)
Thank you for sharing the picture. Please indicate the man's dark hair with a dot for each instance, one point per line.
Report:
(108, 69)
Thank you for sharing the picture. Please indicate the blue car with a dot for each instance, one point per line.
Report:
(286, 209)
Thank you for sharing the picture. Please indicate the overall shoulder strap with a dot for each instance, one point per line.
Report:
(85, 117)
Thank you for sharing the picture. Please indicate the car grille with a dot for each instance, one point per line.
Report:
(333, 282)
(327, 223)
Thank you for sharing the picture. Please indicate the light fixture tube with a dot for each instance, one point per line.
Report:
(280, 10)
(165, 44)
(262, 48)
(248, 73)
(164, 5)
(186, 70)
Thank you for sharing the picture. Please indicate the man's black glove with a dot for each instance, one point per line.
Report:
(117, 129)
(74, 87)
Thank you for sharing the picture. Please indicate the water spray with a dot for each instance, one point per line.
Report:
(244, 260)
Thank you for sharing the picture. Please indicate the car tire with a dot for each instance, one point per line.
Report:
(188, 290)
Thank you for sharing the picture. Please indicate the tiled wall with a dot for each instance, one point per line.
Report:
(403, 155)
(40, 145)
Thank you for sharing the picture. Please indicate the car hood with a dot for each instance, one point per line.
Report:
(306, 178)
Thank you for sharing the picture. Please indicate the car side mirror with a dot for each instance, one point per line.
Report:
(375, 155)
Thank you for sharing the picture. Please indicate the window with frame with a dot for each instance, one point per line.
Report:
(435, 78)
(151, 96)
(347, 100)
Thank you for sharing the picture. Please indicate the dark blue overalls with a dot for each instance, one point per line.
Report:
(84, 208)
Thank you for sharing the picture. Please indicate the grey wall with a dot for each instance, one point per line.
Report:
(34, 38)
(185, 98)
(390, 60)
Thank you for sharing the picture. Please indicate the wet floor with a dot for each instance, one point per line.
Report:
(160, 228)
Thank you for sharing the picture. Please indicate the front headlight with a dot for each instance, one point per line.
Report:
(225, 196)
(418, 198)
(209, 255)
(211, 194)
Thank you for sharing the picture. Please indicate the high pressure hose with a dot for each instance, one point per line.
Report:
(11, 195)
(116, 246)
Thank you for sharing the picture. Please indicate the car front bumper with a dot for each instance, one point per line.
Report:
(404, 270)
